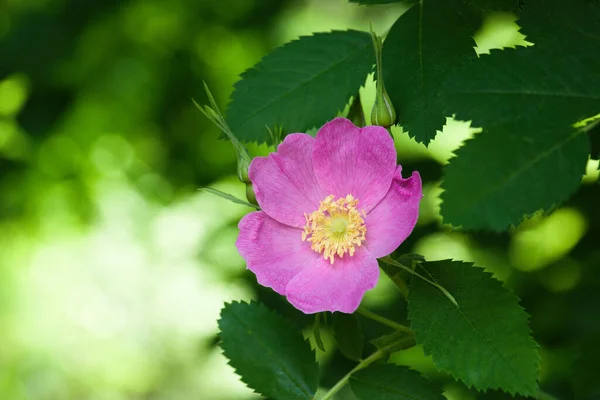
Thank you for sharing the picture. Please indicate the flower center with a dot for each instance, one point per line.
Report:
(337, 227)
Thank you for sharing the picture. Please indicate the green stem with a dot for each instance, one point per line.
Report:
(390, 261)
(361, 365)
(383, 320)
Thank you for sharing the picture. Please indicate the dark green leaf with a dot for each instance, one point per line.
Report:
(575, 20)
(518, 171)
(528, 85)
(348, 335)
(392, 382)
(300, 85)
(271, 357)
(229, 197)
(485, 342)
(422, 47)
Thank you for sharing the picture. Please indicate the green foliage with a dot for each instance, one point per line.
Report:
(485, 341)
(527, 99)
(348, 335)
(525, 85)
(271, 356)
(421, 48)
(391, 382)
(520, 169)
(575, 20)
(300, 85)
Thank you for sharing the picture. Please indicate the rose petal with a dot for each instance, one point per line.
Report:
(274, 251)
(338, 287)
(351, 160)
(393, 219)
(284, 182)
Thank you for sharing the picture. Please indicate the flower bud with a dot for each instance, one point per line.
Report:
(243, 163)
(383, 113)
(250, 196)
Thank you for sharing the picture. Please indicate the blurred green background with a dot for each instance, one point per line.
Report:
(113, 267)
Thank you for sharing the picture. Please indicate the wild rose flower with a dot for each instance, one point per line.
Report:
(331, 206)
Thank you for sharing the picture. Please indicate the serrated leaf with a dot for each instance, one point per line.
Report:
(576, 20)
(300, 85)
(421, 48)
(529, 85)
(392, 382)
(228, 197)
(519, 170)
(485, 341)
(270, 356)
(348, 335)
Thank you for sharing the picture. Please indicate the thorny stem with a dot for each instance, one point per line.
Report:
(383, 320)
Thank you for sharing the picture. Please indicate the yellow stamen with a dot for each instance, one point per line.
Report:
(337, 227)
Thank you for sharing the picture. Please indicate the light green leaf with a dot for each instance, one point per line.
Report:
(421, 48)
(485, 341)
(270, 356)
(348, 335)
(300, 85)
(519, 170)
(229, 197)
(392, 382)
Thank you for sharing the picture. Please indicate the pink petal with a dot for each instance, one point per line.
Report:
(273, 251)
(284, 182)
(393, 219)
(338, 287)
(351, 160)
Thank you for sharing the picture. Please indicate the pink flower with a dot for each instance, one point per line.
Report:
(331, 206)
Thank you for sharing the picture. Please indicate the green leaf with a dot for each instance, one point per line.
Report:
(271, 357)
(392, 382)
(229, 197)
(529, 85)
(485, 341)
(348, 335)
(300, 85)
(528, 156)
(520, 169)
(575, 20)
(423, 45)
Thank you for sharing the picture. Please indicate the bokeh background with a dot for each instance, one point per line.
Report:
(113, 266)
